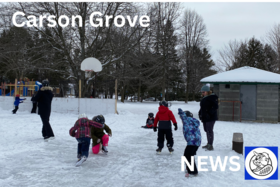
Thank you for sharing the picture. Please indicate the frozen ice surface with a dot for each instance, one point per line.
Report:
(26, 160)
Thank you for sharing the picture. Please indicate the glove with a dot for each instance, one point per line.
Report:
(73, 134)
(155, 129)
(98, 140)
(110, 135)
(176, 127)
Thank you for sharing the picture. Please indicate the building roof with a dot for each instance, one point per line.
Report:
(243, 75)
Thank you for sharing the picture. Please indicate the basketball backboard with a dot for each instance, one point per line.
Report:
(91, 64)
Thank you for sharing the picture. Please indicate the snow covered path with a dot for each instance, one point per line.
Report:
(26, 160)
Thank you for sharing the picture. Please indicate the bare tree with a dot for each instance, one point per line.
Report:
(228, 56)
(193, 36)
(273, 38)
(78, 43)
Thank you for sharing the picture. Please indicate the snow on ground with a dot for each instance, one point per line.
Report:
(26, 160)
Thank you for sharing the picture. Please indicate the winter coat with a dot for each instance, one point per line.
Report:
(163, 117)
(208, 108)
(18, 101)
(97, 133)
(44, 98)
(150, 122)
(190, 129)
(82, 126)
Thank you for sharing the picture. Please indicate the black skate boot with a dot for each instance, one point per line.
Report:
(158, 150)
(209, 148)
(205, 147)
(170, 149)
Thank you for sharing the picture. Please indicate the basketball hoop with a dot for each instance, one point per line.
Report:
(91, 64)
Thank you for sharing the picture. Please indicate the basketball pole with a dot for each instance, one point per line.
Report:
(15, 91)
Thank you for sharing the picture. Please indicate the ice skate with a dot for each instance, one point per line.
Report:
(205, 147)
(80, 161)
(170, 149)
(187, 175)
(104, 149)
(209, 148)
(46, 138)
(158, 150)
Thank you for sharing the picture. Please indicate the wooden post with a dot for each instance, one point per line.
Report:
(80, 88)
(116, 96)
(15, 92)
(237, 143)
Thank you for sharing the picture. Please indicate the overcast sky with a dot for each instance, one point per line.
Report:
(229, 21)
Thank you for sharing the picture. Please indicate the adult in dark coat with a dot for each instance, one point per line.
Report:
(34, 107)
(44, 99)
(208, 114)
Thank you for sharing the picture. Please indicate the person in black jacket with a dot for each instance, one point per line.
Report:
(208, 114)
(34, 107)
(44, 98)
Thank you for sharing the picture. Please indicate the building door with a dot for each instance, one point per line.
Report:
(248, 97)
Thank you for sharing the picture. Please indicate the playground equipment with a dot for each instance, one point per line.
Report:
(21, 87)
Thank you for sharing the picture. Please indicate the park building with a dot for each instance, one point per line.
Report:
(247, 94)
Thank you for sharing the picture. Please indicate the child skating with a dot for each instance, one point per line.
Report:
(17, 102)
(81, 131)
(163, 121)
(99, 138)
(193, 137)
(149, 121)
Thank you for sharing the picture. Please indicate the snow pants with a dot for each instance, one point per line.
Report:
(15, 110)
(104, 140)
(47, 129)
(162, 134)
(208, 128)
(189, 152)
(34, 108)
(83, 146)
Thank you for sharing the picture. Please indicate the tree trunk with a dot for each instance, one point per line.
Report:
(122, 91)
(139, 90)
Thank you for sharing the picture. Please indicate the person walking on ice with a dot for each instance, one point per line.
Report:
(99, 138)
(44, 98)
(192, 135)
(81, 131)
(163, 120)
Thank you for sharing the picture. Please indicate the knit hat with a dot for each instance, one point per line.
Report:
(17, 95)
(82, 116)
(205, 88)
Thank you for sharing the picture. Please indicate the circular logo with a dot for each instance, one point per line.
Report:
(261, 163)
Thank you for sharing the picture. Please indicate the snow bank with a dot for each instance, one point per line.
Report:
(66, 105)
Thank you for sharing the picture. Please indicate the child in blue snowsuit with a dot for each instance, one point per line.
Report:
(193, 137)
(17, 102)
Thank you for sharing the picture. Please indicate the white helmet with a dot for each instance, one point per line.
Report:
(82, 116)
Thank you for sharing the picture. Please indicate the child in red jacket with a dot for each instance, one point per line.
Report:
(163, 120)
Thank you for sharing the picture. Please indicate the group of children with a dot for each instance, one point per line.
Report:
(84, 130)
(191, 132)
